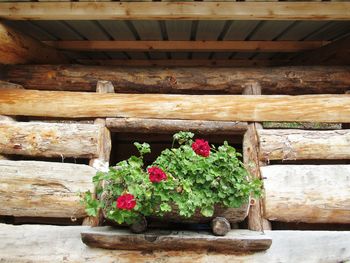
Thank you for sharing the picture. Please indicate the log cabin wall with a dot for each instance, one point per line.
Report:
(59, 122)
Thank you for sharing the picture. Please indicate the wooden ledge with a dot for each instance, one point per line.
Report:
(234, 241)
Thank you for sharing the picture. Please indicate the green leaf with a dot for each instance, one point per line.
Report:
(207, 211)
(143, 148)
(164, 207)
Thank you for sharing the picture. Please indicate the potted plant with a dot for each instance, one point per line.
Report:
(192, 182)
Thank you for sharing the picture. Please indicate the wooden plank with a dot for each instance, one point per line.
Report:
(17, 48)
(50, 139)
(176, 11)
(234, 241)
(184, 62)
(302, 144)
(319, 108)
(275, 80)
(47, 243)
(171, 126)
(307, 193)
(183, 46)
(43, 189)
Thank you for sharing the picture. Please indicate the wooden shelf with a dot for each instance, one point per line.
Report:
(234, 241)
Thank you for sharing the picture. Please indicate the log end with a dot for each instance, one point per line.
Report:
(220, 226)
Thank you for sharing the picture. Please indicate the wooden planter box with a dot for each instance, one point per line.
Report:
(220, 221)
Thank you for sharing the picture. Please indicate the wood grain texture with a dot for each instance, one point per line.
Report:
(233, 215)
(186, 46)
(234, 241)
(301, 144)
(17, 48)
(319, 108)
(201, 80)
(184, 62)
(43, 189)
(307, 193)
(176, 11)
(51, 139)
(256, 221)
(172, 126)
(45, 243)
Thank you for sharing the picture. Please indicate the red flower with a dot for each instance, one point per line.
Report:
(201, 147)
(126, 202)
(156, 174)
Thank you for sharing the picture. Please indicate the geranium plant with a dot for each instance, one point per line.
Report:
(190, 177)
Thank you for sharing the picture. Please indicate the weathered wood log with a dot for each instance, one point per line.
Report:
(302, 125)
(51, 139)
(171, 126)
(220, 226)
(276, 80)
(324, 108)
(17, 48)
(233, 215)
(256, 221)
(234, 241)
(47, 243)
(307, 193)
(301, 145)
(43, 189)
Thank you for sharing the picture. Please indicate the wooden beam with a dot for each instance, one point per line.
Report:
(318, 108)
(184, 62)
(17, 48)
(256, 220)
(183, 46)
(335, 52)
(274, 80)
(56, 243)
(302, 145)
(171, 126)
(44, 189)
(307, 193)
(51, 139)
(233, 241)
(176, 11)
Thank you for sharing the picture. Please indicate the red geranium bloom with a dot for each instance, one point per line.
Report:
(126, 202)
(201, 147)
(156, 174)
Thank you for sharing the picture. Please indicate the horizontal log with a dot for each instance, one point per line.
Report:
(233, 215)
(17, 48)
(307, 193)
(234, 241)
(184, 62)
(51, 139)
(171, 126)
(176, 11)
(319, 108)
(56, 243)
(187, 46)
(43, 189)
(301, 144)
(275, 80)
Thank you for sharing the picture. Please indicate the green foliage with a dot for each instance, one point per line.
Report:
(193, 183)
